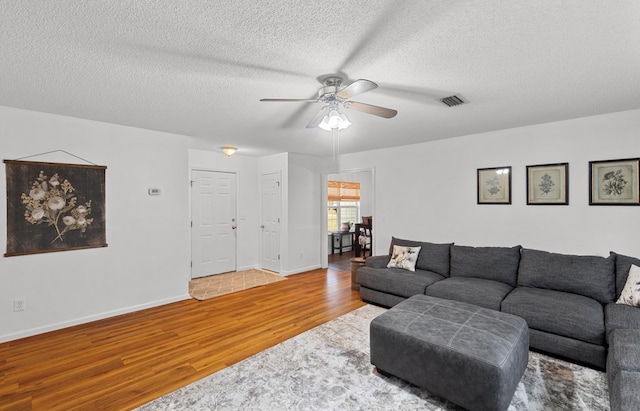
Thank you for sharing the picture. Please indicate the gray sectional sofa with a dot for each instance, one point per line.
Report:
(568, 301)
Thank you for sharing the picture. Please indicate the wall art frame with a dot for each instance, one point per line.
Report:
(54, 207)
(494, 185)
(548, 184)
(614, 182)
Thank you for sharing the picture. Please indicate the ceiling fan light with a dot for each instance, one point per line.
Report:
(334, 120)
(324, 124)
(334, 96)
(344, 122)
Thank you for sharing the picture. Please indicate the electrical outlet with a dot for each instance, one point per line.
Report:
(19, 304)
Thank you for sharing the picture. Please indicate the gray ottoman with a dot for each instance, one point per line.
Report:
(471, 356)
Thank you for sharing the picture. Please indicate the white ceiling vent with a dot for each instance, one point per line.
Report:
(452, 101)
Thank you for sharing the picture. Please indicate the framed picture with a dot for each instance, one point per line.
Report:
(548, 184)
(494, 185)
(614, 182)
(54, 207)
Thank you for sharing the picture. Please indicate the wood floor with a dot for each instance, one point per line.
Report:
(341, 262)
(126, 361)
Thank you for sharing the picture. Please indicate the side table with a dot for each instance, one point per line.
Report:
(356, 263)
(339, 236)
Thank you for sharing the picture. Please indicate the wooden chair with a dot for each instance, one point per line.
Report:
(365, 230)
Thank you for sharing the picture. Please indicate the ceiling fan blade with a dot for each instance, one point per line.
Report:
(318, 117)
(370, 109)
(290, 100)
(355, 88)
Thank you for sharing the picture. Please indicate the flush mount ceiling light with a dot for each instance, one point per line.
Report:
(229, 150)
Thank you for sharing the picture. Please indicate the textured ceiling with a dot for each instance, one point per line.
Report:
(199, 67)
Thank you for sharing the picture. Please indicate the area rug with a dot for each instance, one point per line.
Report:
(328, 368)
(221, 284)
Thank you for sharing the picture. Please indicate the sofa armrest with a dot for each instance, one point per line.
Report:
(377, 261)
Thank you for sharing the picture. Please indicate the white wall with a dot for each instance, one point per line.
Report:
(305, 214)
(301, 217)
(366, 191)
(146, 262)
(248, 216)
(427, 191)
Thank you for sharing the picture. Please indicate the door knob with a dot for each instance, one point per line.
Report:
(261, 225)
(233, 227)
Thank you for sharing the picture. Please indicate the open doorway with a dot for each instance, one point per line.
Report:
(343, 218)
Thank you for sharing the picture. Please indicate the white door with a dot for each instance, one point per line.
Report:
(213, 225)
(271, 205)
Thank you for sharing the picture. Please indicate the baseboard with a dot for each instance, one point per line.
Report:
(83, 320)
(248, 267)
(300, 270)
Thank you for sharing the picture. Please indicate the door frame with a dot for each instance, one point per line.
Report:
(213, 170)
(324, 260)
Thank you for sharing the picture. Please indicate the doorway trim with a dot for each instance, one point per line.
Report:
(324, 260)
(214, 170)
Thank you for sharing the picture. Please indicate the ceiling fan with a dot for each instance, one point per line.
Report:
(334, 95)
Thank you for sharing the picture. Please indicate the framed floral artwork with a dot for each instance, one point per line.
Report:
(548, 184)
(54, 207)
(614, 182)
(494, 185)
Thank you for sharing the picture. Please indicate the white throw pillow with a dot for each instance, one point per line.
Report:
(631, 291)
(404, 257)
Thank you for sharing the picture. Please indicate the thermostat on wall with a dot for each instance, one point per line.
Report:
(154, 191)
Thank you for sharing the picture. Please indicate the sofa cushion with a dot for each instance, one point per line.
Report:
(377, 261)
(404, 257)
(590, 276)
(631, 292)
(618, 316)
(379, 297)
(623, 264)
(478, 291)
(396, 280)
(432, 257)
(569, 315)
(579, 351)
(489, 263)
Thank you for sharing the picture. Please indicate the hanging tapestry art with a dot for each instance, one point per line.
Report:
(54, 207)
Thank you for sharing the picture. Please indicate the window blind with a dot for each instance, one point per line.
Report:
(343, 191)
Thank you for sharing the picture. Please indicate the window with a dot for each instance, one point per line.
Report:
(343, 205)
